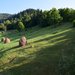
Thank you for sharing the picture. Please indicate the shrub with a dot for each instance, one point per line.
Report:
(20, 26)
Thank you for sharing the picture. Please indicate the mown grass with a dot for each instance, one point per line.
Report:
(50, 51)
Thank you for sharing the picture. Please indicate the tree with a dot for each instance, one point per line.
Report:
(20, 26)
(73, 23)
(54, 17)
(68, 14)
(36, 18)
(44, 19)
(3, 26)
(6, 23)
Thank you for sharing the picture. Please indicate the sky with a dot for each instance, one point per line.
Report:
(15, 6)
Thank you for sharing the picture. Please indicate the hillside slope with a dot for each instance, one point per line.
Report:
(50, 51)
(4, 16)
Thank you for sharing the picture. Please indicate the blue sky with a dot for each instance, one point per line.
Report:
(15, 6)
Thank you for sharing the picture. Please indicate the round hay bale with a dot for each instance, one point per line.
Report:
(22, 41)
(3, 39)
(7, 40)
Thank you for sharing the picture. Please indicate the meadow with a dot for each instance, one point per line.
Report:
(49, 51)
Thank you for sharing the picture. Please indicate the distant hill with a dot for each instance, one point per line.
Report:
(4, 15)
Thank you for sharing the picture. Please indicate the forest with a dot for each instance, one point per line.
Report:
(36, 17)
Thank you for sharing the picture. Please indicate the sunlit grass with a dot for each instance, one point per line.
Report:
(44, 51)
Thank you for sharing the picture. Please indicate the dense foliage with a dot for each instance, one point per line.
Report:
(73, 23)
(32, 17)
(20, 26)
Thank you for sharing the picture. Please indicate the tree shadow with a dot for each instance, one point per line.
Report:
(17, 47)
(50, 60)
(2, 52)
(40, 40)
(45, 63)
(20, 34)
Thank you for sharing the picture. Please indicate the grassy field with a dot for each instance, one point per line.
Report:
(49, 51)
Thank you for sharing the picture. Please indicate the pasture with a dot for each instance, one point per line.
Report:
(49, 51)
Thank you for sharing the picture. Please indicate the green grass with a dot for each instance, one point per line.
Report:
(50, 51)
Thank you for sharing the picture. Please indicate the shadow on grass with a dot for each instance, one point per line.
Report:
(52, 60)
(46, 62)
(42, 39)
(12, 48)
(28, 35)
(30, 44)
(2, 52)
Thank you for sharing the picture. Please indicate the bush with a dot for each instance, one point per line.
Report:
(73, 23)
(21, 26)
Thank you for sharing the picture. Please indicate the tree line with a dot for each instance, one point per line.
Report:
(31, 17)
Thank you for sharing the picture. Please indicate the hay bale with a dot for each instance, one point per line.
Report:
(7, 40)
(3, 39)
(22, 41)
